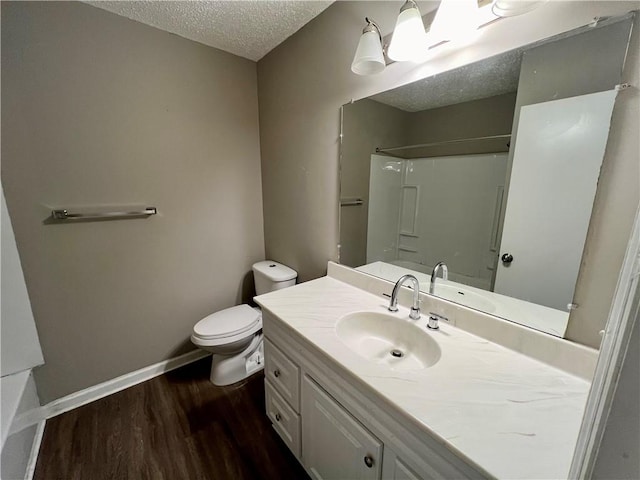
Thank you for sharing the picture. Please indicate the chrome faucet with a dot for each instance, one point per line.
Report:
(445, 275)
(414, 314)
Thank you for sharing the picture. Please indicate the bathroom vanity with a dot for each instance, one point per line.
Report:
(452, 405)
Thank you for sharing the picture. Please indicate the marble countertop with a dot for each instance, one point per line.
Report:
(510, 415)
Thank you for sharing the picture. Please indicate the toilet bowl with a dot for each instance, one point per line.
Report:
(234, 335)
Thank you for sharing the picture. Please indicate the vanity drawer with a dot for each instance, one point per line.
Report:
(283, 374)
(285, 421)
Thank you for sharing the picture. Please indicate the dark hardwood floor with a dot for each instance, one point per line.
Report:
(176, 426)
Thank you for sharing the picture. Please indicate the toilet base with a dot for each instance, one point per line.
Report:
(229, 369)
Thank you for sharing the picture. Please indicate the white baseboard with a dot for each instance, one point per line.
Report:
(40, 415)
(35, 450)
(117, 384)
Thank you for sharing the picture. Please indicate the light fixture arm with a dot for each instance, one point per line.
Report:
(407, 5)
(372, 27)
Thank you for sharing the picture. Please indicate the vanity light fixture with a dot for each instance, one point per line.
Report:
(369, 58)
(409, 40)
(454, 20)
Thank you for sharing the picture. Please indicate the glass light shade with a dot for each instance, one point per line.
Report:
(368, 58)
(409, 40)
(454, 20)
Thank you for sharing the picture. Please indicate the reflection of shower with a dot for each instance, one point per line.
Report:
(421, 149)
(384, 207)
(426, 209)
(418, 267)
(393, 167)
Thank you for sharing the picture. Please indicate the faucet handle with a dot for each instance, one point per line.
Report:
(433, 320)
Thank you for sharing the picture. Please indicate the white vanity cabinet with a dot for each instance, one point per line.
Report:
(395, 469)
(337, 432)
(326, 438)
(282, 393)
(336, 445)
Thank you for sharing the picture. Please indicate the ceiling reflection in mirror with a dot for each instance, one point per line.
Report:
(491, 168)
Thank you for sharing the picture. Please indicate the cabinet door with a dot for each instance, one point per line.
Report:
(402, 472)
(334, 444)
(395, 469)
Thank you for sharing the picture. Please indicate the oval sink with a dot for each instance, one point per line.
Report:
(388, 340)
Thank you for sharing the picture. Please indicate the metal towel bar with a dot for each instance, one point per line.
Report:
(63, 214)
(349, 202)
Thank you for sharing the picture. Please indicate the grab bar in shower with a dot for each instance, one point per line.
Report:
(64, 214)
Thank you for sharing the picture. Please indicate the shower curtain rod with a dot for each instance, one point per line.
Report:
(446, 142)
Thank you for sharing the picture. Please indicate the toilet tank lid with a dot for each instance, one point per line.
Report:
(227, 322)
(275, 271)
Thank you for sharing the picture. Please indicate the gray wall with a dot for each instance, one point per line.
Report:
(614, 208)
(302, 84)
(478, 118)
(304, 81)
(366, 125)
(100, 110)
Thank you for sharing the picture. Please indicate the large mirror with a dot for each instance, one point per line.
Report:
(491, 168)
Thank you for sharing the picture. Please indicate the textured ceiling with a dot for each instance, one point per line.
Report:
(494, 76)
(249, 29)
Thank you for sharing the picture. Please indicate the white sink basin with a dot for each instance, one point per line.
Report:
(462, 296)
(388, 340)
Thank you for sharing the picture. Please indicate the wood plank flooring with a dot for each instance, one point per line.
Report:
(176, 426)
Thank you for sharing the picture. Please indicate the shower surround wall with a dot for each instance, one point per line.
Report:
(100, 110)
(367, 124)
(427, 210)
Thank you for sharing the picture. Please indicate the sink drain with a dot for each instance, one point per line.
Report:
(397, 353)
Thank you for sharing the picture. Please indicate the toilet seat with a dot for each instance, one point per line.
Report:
(227, 326)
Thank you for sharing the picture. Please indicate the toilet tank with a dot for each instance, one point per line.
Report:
(270, 276)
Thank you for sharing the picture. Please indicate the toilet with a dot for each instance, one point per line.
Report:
(234, 335)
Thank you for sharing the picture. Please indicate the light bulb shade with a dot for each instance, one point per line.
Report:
(369, 58)
(455, 19)
(409, 40)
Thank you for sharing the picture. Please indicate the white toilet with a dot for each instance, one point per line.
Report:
(234, 335)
